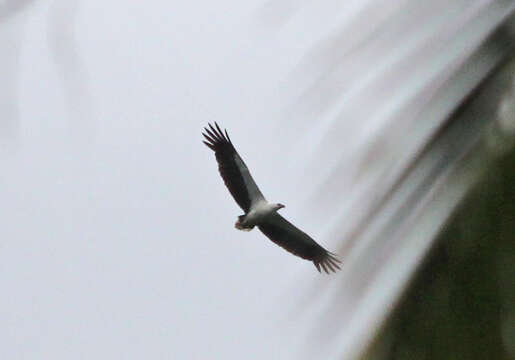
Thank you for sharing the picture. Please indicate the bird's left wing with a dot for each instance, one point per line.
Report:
(233, 170)
(294, 240)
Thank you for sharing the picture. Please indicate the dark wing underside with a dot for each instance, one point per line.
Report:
(233, 170)
(294, 240)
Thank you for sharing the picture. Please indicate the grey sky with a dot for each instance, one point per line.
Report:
(118, 238)
(120, 243)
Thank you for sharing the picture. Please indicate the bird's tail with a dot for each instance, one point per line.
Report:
(239, 224)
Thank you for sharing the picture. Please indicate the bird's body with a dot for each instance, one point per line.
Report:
(258, 211)
(257, 214)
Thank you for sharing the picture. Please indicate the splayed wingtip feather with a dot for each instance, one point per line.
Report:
(227, 135)
(317, 265)
(330, 266)
(209, 145)
(212, 133)
(218, 128)
(208, 138)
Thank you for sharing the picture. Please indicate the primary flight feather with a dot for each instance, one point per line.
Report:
(258, 211)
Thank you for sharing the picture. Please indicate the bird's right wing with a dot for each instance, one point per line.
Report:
(294, 240)
(233, 170)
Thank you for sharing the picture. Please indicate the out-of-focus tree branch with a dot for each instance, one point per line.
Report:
(461, 303)
(408, 106)
(9, 8)
(10, 39)
(63, 50)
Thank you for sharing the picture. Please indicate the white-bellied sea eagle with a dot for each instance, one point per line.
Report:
(258, 211)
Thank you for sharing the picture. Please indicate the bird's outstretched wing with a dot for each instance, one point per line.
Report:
(234, 172)
(289, 237)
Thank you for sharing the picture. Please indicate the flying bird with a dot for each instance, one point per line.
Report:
(258, 211)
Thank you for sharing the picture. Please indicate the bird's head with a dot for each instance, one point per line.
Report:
(278, 206)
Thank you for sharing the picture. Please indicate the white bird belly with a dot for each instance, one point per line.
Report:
(259, 212)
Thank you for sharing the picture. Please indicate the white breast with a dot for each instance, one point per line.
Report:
(258, 212)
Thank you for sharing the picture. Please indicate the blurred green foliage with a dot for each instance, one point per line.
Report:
(461, 302)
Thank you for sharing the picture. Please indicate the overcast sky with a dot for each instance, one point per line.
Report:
(118, 237)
